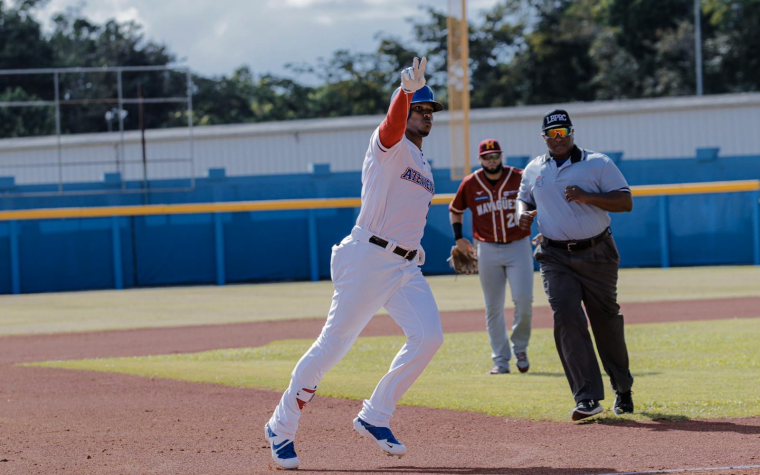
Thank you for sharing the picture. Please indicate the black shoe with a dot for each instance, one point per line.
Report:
(586, 408)
(522, 362)
(623, 403)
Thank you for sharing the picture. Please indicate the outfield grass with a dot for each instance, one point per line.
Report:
(203, 305)
(706, 369)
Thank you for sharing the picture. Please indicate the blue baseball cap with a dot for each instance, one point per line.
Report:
(424, 95)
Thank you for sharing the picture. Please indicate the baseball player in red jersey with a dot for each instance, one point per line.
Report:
(504, 252)
(377, 266)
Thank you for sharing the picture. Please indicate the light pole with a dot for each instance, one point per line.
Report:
(109, 118)
(112, 115)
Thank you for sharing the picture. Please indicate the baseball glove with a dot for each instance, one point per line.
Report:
(462, 263)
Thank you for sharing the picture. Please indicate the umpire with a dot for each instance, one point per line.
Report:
(572, 190)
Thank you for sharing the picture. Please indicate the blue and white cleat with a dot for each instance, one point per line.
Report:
(283, 450)
(382, 436)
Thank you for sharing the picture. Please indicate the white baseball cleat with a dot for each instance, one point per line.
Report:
(382, 436)
(283, 450)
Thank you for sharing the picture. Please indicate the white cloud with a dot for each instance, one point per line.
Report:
(217, 37)
(129, 14)
(119, 10)
(221, 27)
(302, 3)
(323, 20)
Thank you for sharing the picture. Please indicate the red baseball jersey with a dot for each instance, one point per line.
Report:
(494, 207)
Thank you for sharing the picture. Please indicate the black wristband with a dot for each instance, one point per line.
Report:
(457, 227)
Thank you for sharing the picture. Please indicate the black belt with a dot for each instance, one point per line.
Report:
(581, 244)
(408, 255)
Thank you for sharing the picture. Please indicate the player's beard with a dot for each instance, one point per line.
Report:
(495, 170)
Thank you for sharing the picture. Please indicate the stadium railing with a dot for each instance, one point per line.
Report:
(662, 191)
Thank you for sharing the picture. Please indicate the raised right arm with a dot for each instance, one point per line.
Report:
(393, 127)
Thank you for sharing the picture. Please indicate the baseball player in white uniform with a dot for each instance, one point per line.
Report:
(376, 266)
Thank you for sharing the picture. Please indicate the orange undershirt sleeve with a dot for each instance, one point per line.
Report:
(394, 125)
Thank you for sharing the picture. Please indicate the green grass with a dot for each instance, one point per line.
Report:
(708, 369)
(181, 306)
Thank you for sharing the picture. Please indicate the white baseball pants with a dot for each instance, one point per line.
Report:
(366, 277)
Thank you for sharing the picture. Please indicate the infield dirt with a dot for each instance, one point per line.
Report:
(62, 421)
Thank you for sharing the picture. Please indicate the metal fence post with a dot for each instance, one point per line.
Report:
(59, 151)
(189, 81)
(756, 225)
(122, 157)
(313, 256)
(221, 278)
(118, 274)
(15, 259)
(664, 232)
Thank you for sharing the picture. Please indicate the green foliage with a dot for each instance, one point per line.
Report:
(521, 52)
(78, 42)
(22, 46)
(24, 121)
(670, 361)
(733, 63)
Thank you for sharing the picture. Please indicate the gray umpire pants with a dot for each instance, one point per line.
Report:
(498, 264)
(588, 276)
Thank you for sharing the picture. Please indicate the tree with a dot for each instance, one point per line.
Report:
(78, 42)
(24, 121)
(646, 49)
(732, 63)
(23, 46)
(495, 79)
(521, 52)
(222, 100)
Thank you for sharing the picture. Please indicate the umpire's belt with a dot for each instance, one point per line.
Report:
(581, 244)
(408, 255)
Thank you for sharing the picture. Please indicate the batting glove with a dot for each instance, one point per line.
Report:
(413, 78)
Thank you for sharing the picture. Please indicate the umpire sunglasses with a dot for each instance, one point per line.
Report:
(561, 132)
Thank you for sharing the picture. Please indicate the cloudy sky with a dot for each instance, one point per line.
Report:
(215, 37)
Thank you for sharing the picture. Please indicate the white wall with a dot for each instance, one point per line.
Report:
(649, 128)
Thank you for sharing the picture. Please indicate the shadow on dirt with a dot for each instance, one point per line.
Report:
(667, 422)
(477, 470)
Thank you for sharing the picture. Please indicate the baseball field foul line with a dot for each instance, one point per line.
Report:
(679, 470)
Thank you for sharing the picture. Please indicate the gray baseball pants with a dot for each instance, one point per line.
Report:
(498, 264)
(588, 276)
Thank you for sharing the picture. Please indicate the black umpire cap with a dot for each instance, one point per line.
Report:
(557, 118)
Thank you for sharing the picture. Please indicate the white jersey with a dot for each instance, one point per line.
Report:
(397, 190)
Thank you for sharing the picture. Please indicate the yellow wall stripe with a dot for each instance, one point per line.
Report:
(275, 205)
(697, 188)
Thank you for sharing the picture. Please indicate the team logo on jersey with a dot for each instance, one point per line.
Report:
(503, 204)
(539, 180)
(410, 174)
(510, 192)
(479, 192)
(482, 198)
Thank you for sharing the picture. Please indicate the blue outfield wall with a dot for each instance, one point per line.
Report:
(124, 252)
